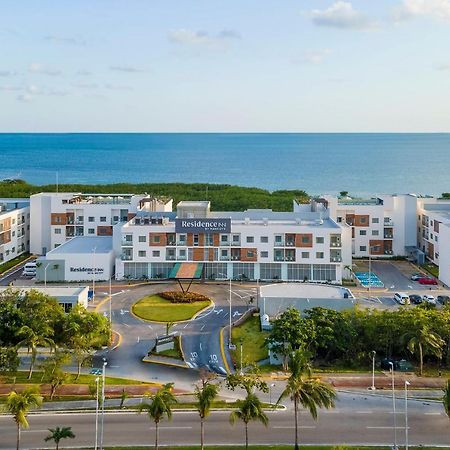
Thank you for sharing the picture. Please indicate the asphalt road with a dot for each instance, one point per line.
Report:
(200, 337)
(357, 419)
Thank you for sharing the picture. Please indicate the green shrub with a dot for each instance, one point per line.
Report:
(183, 297)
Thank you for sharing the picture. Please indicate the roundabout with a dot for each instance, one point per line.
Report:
(155, 308)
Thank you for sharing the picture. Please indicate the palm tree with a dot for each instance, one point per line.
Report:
(446, 398)
(19, 404)
(160, 405)
(32, 340)
(249, 409)
(56, 434)
(422, 341)
(205, 396)
(302, 389)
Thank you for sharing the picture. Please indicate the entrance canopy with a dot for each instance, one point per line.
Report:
(186, 271)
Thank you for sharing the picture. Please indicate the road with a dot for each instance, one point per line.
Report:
(357, 419)
(200, 337)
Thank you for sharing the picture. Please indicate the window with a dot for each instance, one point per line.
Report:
(155, 253)
(264, 254)
(183, 253)
(320, 240)
(319, 255)
(116, 218)
(142, 239)
(250, 254)
(13, 233)
(91, 219)
(305, 255)
(80, 219)
(250, 239)
(264, 239)
(182, 239)
(362, 232)
(224, 238)
(142, 253)
(362, 220)
(13, 221)
(435, 238)
(91, 230)
(362, 248)
(209, 240)
(236, 238)
(305, 239)
(375, 232)
(196, 239)
(339, 220)
(103, 219)
(270, 271)
(57, 230)
(278, 239)
(156, 239)
(375, 220)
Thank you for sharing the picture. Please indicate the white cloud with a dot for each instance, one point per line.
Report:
(201, 38)
(316, 56)
(7, 73)
(26, 98)
(127, 69)
(44, 70)
(343, 16)
(435, 9)
(9, 87)
(65, 40)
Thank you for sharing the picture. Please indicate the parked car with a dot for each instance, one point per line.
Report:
(443, 299)
(427, 280)
(29, 269)
(402, 298)
(416, 276)
(401, 365)
(429, 299)
(415, 299)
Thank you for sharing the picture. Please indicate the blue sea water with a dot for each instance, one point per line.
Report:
(317, 163)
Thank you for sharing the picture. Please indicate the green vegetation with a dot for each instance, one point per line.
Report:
(253, 340)
(21, 377)
(157, 309)
(183, 297)
(432, 269)
(173, 352)
(273, 447)
(10, 264)
(223, 197)
(346, 338)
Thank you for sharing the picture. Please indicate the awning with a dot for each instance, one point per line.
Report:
(186, 271)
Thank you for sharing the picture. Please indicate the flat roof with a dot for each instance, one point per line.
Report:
(84, 244)
(54, 291)
(304, 291)
(194, 203)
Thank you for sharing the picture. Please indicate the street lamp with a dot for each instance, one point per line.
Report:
(103, 404)
(97, 380)
(393, 404)
(229, 313)
(372, 388)
(371, 247)
(407, 383)
(270, 393)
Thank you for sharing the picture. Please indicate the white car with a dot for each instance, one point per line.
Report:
(401, 298)
(429, 299)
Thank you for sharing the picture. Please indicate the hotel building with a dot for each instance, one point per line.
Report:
(14, 228)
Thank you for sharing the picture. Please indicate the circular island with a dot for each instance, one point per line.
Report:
(170, 306)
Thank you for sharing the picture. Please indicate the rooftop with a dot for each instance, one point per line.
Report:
(304, 290)
(83, 244)
(54, 291)
(359, 201)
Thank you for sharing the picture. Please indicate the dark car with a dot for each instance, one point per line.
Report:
(443, 299)
(401, 365)
(428, 280)
(415, 299)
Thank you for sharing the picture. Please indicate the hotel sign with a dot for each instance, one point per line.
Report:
(199, 226)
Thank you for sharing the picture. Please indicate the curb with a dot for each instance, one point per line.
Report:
(11, 269)
(222, 351)
(169, 364)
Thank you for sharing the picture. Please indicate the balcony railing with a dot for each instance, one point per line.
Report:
(171, 257)
(182, 258)
(279, 244)
(126, 243)
(235, 258)
(127, 257)
(171, 243)
(224, 258)
(388, 223)
(236, 243)
(278, 258)
(388, 236)
(335, 244)
(388, 252)
(182, 243)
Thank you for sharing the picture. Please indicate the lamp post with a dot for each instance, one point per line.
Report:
(103, 404)
(110, 308)
(270, 393)
(393, 404)
(407, 383)
(97, 380)
(372, 388)
(45, 274)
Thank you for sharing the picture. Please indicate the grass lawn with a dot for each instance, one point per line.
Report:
(21, 378)
(157, 309)
(8, 265)
(432, 269)
(252, 338)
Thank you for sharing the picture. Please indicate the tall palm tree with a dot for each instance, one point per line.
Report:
(446, 398)
(19, 404)
(205, 396)
(302, 389)
(422, 341)
(160, 405)
(56, 434)
(249, 409)
(33, 340)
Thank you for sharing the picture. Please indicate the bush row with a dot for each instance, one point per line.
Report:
(183, 297)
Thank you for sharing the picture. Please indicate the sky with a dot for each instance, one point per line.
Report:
(231, 65)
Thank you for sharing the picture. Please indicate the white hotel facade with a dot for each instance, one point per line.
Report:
(314, 242)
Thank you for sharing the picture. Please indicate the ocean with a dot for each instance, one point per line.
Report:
(317, 163)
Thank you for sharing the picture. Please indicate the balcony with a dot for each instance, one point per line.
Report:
(388, 236)
(127, 243)
(171, 243)
(289, 258)
(236, 243)
(278, 258)
(388, 252)
(126, 257)
(279, 244)
(335, 243)
(335, 259)
(171, 257)
(182, 243)
(388, 223)
(235, 258)
(224, 258)
(182, 258)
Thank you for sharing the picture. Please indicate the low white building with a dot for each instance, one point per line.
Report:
(14, 228)
(85, 258)
(68, 297)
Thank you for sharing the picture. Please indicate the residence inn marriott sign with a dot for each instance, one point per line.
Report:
(198, 226)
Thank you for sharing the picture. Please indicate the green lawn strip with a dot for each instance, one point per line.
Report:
(173, 352)
(270, 447)
(432, 269)
(10, 264)
(21, 377)
(249, 334)
(157, 309)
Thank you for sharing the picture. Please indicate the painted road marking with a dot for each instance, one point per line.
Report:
(200, 346)
(432, 413)
(186, 326)
(223, 370)
(291, 427)
(386, 428)
(125, 324)
(194, 355)
(213, 358)
(203, 326)
(138, 339)
(151, 328)
(237, 313)
(218, 311)
(189, 365)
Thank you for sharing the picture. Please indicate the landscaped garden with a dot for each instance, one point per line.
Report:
(170, 306)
